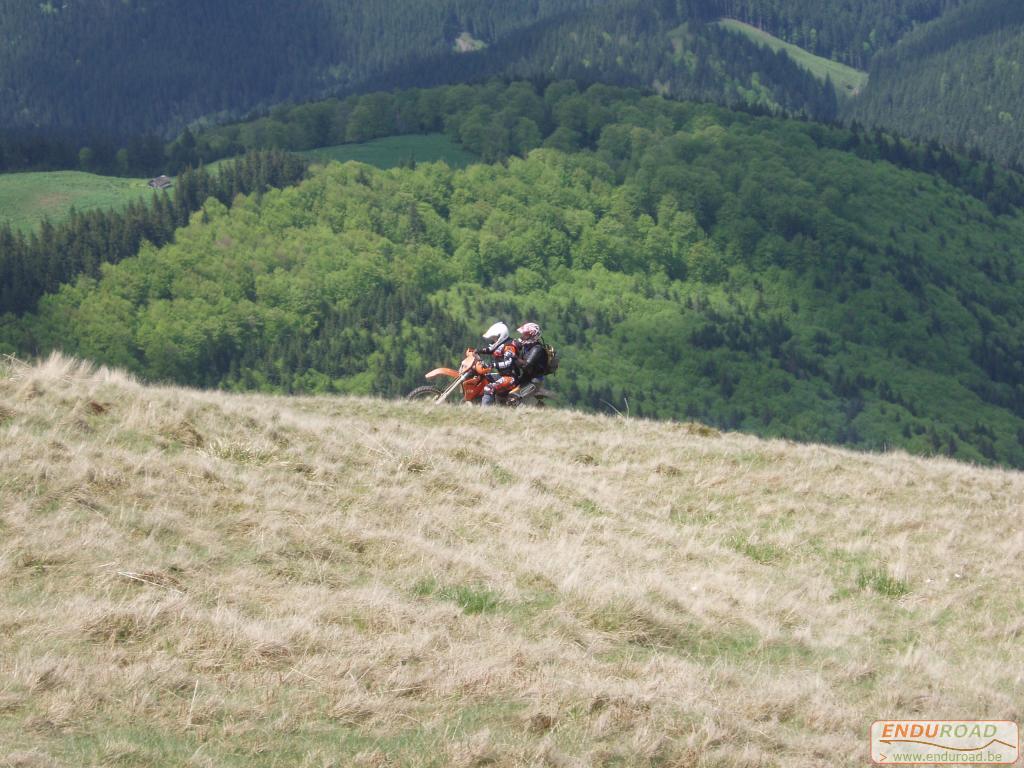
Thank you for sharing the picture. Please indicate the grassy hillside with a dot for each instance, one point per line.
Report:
(847, 80)
(200, 578)
(392, 151)
(27, 198)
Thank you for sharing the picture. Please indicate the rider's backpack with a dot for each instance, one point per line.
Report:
(551, 361)
(540, 359)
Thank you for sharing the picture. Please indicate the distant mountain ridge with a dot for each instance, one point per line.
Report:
(100, 75)
(129, 67)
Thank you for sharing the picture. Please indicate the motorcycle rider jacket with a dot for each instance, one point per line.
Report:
(505, 359)
(532, 359)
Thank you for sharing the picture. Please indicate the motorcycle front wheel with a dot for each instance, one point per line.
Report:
(424, 393)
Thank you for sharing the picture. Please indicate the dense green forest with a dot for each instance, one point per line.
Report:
(767, 275)
(958, 80)
(491, 122)
(160, 68)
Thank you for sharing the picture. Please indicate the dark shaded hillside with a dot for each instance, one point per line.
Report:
(698, 263)
(58, 116)
(119, 69)
(100, 74)
(97, 86)
(668, 47)
(958, 80)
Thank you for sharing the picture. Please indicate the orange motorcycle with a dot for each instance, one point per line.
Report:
(472, 377)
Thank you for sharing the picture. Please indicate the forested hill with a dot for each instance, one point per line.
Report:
(121, 68)
(79, 81)
(110, 71)
(767, 275)
(959, 80)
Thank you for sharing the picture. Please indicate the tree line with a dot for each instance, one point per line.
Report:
(165, 68)
(499, 119)
(494, 121)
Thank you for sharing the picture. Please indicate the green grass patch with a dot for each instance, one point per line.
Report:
(472, 599)
(759, 552)
(847, 80)
(503, 476)
(638, 628)
(394, 151)
(589, 507)
(856, 572)
(882, 582)
(27, 198)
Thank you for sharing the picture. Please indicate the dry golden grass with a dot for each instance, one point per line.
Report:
(194, 578)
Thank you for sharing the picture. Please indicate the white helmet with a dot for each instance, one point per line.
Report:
(497, 335)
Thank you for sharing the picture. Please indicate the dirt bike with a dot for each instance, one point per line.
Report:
(472, 377)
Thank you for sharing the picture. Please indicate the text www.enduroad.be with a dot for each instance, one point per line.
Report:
(947, 757)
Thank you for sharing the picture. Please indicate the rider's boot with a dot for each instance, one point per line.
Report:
(487, 399)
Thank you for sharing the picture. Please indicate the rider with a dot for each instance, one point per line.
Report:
(504, 371)
(531, 355)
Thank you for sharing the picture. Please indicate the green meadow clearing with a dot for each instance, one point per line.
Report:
(847, 80)
(27, 198)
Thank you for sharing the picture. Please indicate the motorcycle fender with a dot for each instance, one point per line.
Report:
(442, 372)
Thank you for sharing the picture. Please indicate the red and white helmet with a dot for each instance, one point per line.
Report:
(528, 332)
